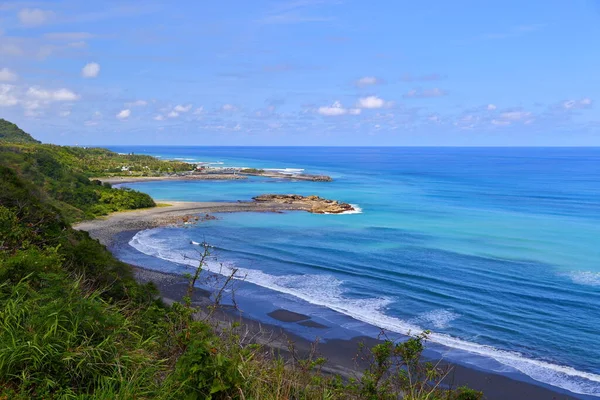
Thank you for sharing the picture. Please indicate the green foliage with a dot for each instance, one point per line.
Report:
(398, 367)
(252, 171)
(10, 132)
(63, 173)
(68, 189)
(70, 313)
(204, 371)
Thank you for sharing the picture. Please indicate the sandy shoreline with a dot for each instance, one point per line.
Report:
(339, 352)
(105, 228)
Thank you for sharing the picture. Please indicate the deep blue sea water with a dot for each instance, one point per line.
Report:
(495, 250)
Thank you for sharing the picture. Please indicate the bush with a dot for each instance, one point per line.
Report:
(252, 171)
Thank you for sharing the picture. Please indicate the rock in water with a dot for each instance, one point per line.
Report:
(313, 204)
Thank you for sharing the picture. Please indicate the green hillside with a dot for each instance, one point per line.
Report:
(65, 185)
(62, 173)
(10, 132)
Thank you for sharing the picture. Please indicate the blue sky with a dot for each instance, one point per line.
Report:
(303, 72)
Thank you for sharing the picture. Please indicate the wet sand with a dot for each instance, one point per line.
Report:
(340, 353)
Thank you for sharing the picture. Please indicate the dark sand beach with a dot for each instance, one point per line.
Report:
(340, 353)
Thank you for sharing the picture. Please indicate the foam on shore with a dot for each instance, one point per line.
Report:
(357, 210)
(286, 171)
(327, 291)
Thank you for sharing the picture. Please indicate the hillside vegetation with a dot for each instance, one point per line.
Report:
(64, 184)
(62, 173)
(74, 323)
(10, 132)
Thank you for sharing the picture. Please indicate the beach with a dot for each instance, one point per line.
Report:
(117, 229)
(172, 213)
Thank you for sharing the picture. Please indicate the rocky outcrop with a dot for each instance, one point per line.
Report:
(313, 204)
(280, 175)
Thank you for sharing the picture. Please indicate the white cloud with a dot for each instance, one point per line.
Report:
(90, 70)
(491, 107)
(434, 118)
(199, 110)
(367, 81)
(515, 115)
(52, 95)
(7, 97)
(94, 120)
(6, 75)
(333, 110)
(425, 93)
(137, 103)
(34, 16)
(124, 114)
(175, 112)
(577, 104)
(500, 122)
(467, 121)
(182, 109)
(371, 102)
(229, 107)
(337, 109)
(65, 113)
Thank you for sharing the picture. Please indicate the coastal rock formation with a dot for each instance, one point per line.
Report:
(281, 175)
(313, 204)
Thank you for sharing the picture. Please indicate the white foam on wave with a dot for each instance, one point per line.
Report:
(439, 319)
(326, 291)
(585, 277)
(286, 171)
(357, 210)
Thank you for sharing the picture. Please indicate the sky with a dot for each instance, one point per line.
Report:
(303, 72)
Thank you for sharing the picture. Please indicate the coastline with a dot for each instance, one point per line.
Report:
(339, 352)
(173, 213)
(213, 176)
(117, 180)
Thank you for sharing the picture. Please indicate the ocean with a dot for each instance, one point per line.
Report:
(495, 250)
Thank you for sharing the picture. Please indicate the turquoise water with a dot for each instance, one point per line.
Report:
(496, 251)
